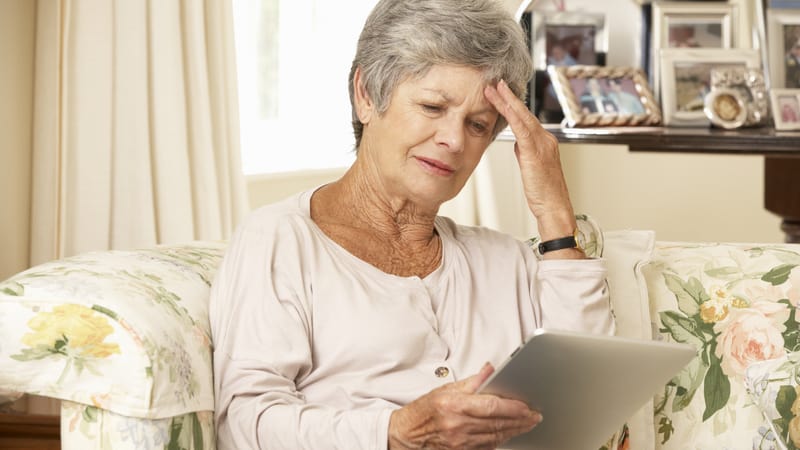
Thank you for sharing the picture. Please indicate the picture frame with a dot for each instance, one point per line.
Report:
(750, 86)
(783, 38)
(686, 80)
(786, 108)
(604, 96)
(562, 38)
(726, 108)
(580, 36)
(687, 24)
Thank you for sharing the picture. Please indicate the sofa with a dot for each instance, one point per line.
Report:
(122, 339)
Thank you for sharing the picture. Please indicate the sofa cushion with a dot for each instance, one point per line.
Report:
(126, 331)
(626, 252)
(736, 304)
(86, 427)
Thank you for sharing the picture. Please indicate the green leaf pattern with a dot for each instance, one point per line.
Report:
(736, 305)
(85, 426)
(120, 354)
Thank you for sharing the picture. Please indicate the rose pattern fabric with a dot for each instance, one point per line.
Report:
(735, 303)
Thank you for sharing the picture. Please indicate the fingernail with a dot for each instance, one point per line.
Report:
(503, 82)
(537, 417)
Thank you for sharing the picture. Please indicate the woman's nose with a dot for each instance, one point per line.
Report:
(451, 134)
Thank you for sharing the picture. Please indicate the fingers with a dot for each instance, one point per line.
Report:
(448, 417)
(471, 384)
(488, 406)
(522, 122)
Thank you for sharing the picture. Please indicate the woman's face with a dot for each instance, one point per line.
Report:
(429, 140)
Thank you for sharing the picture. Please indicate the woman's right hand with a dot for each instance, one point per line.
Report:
(454, 416)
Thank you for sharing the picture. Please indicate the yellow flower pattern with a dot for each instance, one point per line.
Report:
(75, 332)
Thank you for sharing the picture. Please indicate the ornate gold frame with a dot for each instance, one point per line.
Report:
(570, 104)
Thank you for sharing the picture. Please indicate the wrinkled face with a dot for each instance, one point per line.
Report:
(432, 136)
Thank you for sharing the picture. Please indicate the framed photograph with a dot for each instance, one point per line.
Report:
(562, 39)
(567, 38)
(750, 86)
(783, 37)
(725, 108)
(786, 108)
(686, 80)
(604, 96)
(689, 24)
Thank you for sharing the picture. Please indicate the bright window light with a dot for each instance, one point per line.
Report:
(293, 61)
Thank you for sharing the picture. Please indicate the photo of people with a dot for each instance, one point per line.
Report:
(791, 35)
(789, 109)
(623, 93)
(693, 82)
(567, 45)
(607, 95)
(694, 34)
(594, 98)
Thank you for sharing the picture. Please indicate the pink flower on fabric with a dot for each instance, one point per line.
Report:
(751, 334)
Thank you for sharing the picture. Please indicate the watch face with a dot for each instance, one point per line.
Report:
(725, 108)
(589, 236)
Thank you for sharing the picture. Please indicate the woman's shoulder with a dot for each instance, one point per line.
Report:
(290, 212)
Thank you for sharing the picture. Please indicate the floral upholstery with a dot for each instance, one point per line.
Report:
(775, 388)
(124, 331)
(736, 304)
(90, 428)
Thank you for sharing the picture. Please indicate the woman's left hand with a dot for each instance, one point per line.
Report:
(540, 164)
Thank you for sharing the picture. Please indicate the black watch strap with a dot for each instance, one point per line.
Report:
(557, 244)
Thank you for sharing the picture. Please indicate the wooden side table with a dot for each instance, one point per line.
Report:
(29, 431)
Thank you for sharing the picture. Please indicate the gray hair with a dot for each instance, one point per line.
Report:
(405, 38)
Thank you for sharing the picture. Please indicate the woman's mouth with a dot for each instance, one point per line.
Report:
(435, 167)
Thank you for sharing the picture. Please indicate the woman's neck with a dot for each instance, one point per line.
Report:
(385, 230)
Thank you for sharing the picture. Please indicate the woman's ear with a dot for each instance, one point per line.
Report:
(364, 106)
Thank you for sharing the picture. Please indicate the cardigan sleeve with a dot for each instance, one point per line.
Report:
(573, 296)
(261, 330)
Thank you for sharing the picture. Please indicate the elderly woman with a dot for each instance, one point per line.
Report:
(351, 316)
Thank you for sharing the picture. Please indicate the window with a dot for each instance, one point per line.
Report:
(293, 61)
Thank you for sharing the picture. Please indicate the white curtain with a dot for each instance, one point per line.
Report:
(136, 138)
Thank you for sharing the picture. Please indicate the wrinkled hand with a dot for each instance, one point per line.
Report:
(454, 416)
(540, 164)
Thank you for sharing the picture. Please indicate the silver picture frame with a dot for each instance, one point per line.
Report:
(783, 38)
(786, 108)
(686, 80)
(586, 30)
(689, 24)
(751, 86)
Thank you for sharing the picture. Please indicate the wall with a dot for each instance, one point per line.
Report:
(683, 197)
(17, 32)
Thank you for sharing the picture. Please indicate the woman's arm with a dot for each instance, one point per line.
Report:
(262, 344)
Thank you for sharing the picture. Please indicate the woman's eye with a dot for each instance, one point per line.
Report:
(479, 127)
(431, 108)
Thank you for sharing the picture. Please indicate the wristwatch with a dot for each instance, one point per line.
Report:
(560, 244)
(587, 237)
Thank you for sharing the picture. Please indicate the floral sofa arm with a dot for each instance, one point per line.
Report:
(737, 304)
(122, 338)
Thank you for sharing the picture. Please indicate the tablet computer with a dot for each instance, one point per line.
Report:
(585, 386)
